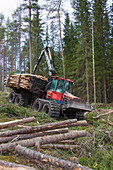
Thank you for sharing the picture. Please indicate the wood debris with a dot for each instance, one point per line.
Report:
(14, 141)
(104, 114)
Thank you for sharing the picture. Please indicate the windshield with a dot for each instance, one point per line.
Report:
(57, 85)
(60, 86)
(53, 85)
(68, 87)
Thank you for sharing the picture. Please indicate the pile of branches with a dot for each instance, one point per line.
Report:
(26, 81)
(40, 136)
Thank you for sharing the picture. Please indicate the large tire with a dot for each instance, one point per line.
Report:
(21, 100)
(18, 100)
(52, 109)
(46, 108)
(11, 97)
(37, 105)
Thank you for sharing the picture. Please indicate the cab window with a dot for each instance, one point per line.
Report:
(68, 87)
(53, 85)
(59, 86)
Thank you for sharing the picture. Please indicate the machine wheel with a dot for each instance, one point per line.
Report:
(52, 109)
(21, 100)
(18, 100)
(37, 105)
(11, 97)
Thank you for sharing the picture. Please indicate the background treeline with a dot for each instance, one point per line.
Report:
(34, 26)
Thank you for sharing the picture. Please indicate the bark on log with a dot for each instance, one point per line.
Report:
(68, 141)
(16, 122)
(4, 165)
(60, 146)
(43, 140)
(97, 117)
(110, 122)
(32, 135)
(51, 126)
(48, 159)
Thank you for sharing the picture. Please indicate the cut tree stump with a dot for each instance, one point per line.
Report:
(16, 122)
(43, 140)
(48, 159)
(4, 165)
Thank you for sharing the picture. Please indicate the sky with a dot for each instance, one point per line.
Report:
(8, 6)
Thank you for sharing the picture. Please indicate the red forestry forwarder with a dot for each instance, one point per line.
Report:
(58, 98)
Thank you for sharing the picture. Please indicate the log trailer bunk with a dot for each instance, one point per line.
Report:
(58, 98)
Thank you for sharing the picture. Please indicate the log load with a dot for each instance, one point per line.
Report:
(34, 83)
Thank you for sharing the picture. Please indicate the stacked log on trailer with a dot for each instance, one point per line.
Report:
(33, 83)
(20, 139)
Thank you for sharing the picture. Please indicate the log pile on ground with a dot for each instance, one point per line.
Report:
(20, 139)
(29, 82)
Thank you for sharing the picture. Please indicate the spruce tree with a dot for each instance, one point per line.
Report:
(83, 51)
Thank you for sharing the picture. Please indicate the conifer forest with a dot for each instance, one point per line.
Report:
(87, 41)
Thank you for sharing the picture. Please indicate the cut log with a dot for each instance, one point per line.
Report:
(4, 165)
(50, 126)
(68, 141)
(32, 135)
(60, 146)
(97, 117)
(110, 122)
(16, 122)
(48, 159)
(43, 140)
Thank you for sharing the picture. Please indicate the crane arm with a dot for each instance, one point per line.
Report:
(47, 54)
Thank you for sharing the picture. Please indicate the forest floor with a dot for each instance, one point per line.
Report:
(95, 151)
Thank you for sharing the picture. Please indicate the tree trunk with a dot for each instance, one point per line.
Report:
(4, 165)
(15, 51)
(105, 91)
(49, 126)
(94, 84)
(20, 42)
(6, 57)
(16, 122)
(61, 39)
(30, 37)
(87, 79)
(4, 67)
(12, 54)
(43, 140)
(48, 159)
(32, 135)
(0, 67)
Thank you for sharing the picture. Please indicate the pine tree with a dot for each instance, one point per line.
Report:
(2, 29)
